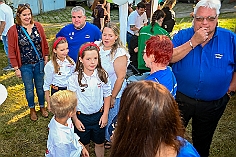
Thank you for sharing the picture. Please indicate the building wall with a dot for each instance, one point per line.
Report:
(49, 5)
(39, 6)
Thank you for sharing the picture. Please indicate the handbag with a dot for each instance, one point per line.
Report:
(41, 61)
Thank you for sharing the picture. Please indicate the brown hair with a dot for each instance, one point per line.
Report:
(95, 3)
(169, 3)
(161, 47)
(148, 118)
(102, 74)
(157, 15)
(20, 9)
(56, 42)
(63, 102)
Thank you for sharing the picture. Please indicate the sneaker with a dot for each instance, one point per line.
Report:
(7, 68)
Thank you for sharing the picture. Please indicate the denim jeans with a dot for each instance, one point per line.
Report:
(112, 114)
(5, 43)
(31, 77)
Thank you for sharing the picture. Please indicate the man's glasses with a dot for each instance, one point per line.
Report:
(24, 5)
(201, 19)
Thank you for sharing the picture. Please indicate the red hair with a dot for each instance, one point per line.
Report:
(161, 47)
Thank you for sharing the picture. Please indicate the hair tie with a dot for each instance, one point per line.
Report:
(83, 47)
(57, 41)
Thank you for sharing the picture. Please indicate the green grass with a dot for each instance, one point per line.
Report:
(21, 137)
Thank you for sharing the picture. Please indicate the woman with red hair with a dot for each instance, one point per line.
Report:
(157, 55)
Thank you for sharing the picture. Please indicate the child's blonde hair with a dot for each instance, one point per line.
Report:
(58, 41)
(102, 74)
(63, 102)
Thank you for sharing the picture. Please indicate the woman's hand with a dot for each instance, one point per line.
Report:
(18, 73)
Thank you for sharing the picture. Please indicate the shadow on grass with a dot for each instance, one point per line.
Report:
(23, 137)
(19, 136)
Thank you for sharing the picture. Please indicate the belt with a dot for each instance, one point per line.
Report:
(194, 99)
(199, 100)
(79, 112)
(58, 88)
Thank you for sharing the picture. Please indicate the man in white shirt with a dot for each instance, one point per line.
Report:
(136, 20)
(6, 21)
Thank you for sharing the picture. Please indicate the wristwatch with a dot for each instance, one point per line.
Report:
(232, 93)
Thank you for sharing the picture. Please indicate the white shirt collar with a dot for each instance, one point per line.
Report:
(95, 72)
(60, 126)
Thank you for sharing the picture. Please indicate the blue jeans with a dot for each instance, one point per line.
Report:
(5, 43)
(31, 76)
(112, 114)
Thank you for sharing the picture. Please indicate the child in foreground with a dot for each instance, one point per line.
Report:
(62, 141)
(93, 88)
(58, 69)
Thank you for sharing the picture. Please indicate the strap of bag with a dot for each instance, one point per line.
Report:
(27, 35)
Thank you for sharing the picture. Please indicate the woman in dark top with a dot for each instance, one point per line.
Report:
(28, 58)
(169, 20)
(98, 13)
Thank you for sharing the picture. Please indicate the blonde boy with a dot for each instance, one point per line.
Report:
(62, 141)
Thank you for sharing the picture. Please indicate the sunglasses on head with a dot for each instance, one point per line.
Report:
(24, 5)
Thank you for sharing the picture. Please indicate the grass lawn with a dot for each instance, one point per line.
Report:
(21, 137)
